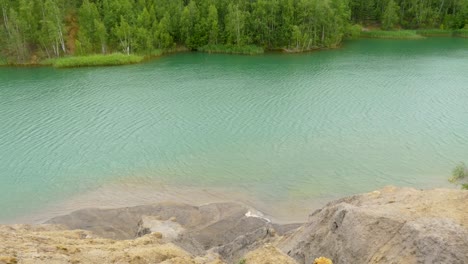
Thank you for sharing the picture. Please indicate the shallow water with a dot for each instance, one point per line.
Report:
(279, 127)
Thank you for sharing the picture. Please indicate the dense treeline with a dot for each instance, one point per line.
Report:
(32, 29)
(413, 14)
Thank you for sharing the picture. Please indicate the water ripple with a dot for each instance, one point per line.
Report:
(318, 125)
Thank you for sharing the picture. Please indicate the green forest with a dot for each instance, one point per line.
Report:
(33, 30)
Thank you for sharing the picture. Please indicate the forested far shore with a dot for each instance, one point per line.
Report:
(35, 30)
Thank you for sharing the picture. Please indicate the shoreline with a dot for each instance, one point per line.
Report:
(392, 224)
(128, 194)
(418, 34)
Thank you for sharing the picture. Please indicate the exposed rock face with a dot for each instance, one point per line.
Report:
(393, 225)
(227, 229)
(152, 224)
(388, 226)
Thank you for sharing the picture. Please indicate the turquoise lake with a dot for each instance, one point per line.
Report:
(280, 127)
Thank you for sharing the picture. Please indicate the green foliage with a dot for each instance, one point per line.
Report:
(53, 36)
(97, 60)
(242, 261)
(48, 62)
(232, 49)
(89, 35)
(156, 53)
(461, 33)
(235, 25)
(390, 16)
(124, 32)
(213, 26)
(460, 175)
(162, 36)
(443, 33)
(400, 34)
(47, 29)
(354, 31)
(189, 25)
(435, 32)
(450, 14)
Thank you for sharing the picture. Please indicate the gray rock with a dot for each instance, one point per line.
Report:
(393, 225)
(390, 226)
(122, 223)
(227, 228)
(243, 244)
(169, 229)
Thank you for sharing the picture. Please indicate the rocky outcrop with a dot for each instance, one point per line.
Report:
(393, 225)
(228, 229)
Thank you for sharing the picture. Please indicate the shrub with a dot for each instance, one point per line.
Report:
(459, 174)
(354, 31)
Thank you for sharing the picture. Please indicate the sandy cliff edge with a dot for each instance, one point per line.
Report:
(392, 225)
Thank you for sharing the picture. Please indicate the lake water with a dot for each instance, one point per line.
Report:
(275, 127)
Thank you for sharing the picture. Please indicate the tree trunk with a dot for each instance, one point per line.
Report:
(60, 34)
(238, 27)
(441, 6)
(5, 21)
(323, 34)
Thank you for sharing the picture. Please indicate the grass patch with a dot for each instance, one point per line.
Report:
(435, 32)
(414, 34)
(232, 49)
(96, 60)
(444, 33)
(156, 53)
(463, 33)
(383, 34)
(161, 52)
